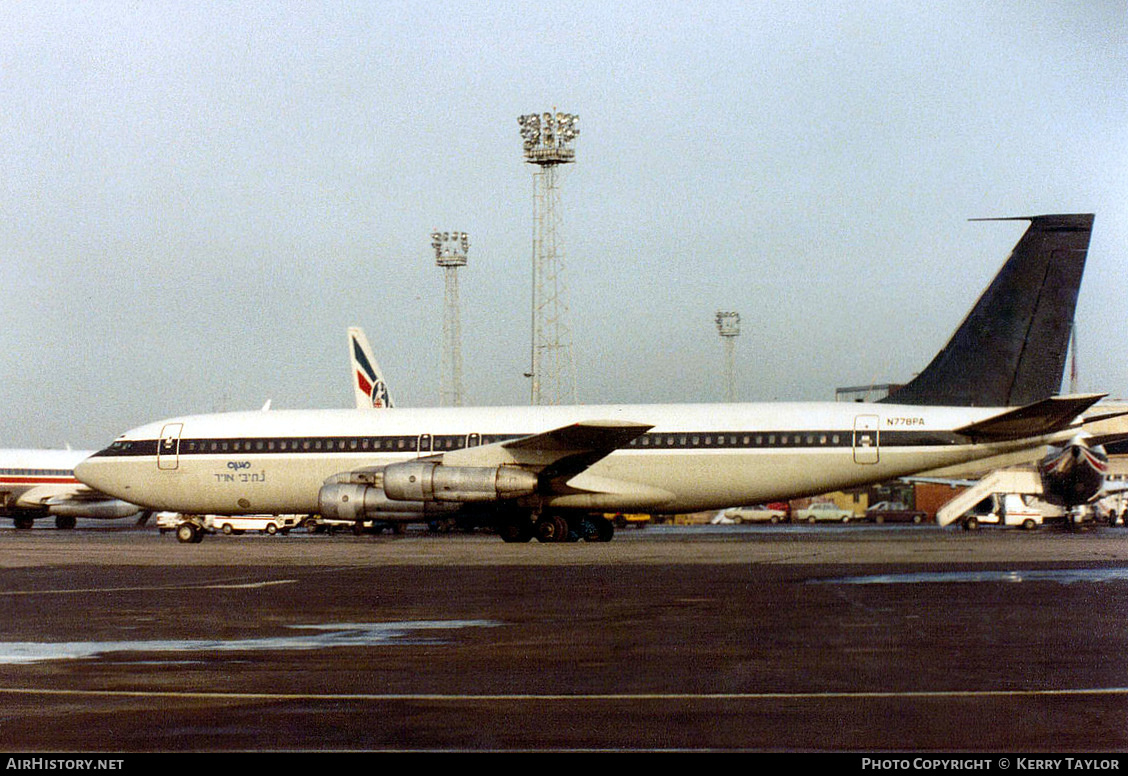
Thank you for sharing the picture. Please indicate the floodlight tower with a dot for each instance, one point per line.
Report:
(548, 141)
(728, 326)
(450, 254)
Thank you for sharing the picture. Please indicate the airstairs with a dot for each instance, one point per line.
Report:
(1018, 479)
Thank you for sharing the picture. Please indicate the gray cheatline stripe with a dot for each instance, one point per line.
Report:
(449, 697)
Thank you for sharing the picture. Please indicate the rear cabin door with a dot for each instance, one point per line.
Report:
(866, 450)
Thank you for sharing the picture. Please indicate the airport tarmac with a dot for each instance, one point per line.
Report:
(859, 638)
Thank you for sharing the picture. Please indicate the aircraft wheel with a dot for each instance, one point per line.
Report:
(65, 522)
(605, 529)
(23, 523)
(547, 530)
(572, 530)
(515, 531)
(563, 531)
(187, 533)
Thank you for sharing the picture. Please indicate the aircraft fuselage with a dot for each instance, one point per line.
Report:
(694, 457)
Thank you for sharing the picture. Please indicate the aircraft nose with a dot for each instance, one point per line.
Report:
(90, 472)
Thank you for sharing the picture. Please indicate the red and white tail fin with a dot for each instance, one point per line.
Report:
(369, 388)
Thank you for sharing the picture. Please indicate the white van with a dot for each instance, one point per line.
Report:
(1008, 509)
(270, 524)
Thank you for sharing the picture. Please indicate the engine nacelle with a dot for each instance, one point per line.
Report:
(427, 481)
(350, 501)
(1074, 473)
(107, 509)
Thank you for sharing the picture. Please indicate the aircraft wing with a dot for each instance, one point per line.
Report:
(1043, 417)
(47, 495)
(561, 452)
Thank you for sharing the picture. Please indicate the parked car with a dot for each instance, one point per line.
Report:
(822, 512)
(894, 512)
(763, 513)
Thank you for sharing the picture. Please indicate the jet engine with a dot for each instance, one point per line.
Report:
(1073, 474)
(355, 502)
(428, 481)
(106, 509)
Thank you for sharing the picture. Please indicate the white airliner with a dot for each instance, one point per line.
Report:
(369, 388)
(550, 472)
(41, 483)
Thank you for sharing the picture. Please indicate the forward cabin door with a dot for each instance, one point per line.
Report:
(168, 448)
(866, 448)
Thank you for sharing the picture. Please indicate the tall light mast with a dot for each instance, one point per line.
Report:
(450, 254)
(548, 141)
(728, 326)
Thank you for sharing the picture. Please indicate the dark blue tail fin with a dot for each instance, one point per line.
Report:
(1011, 348)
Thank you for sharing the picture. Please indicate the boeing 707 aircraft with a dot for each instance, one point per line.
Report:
(550, 472)
(41, 483)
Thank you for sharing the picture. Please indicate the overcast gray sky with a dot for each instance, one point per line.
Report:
(196, 199)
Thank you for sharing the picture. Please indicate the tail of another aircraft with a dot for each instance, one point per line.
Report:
(1011, 348)
(368, 383)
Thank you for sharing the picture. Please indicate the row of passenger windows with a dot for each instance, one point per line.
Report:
(36, 473)
(452, 442)
(338, 444)
(734, 440)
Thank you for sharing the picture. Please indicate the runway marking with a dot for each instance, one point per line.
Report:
(311, 637)
(556, 697)
(150, 588)
(1061, 576)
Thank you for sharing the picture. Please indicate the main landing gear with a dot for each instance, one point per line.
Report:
(189, 533)
(555, 528)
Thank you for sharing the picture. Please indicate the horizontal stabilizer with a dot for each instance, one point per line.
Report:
(1108, 425)
(1044, 417)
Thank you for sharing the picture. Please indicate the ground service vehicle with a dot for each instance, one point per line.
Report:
(1004, 509)
(192, 528)
(628, 519)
